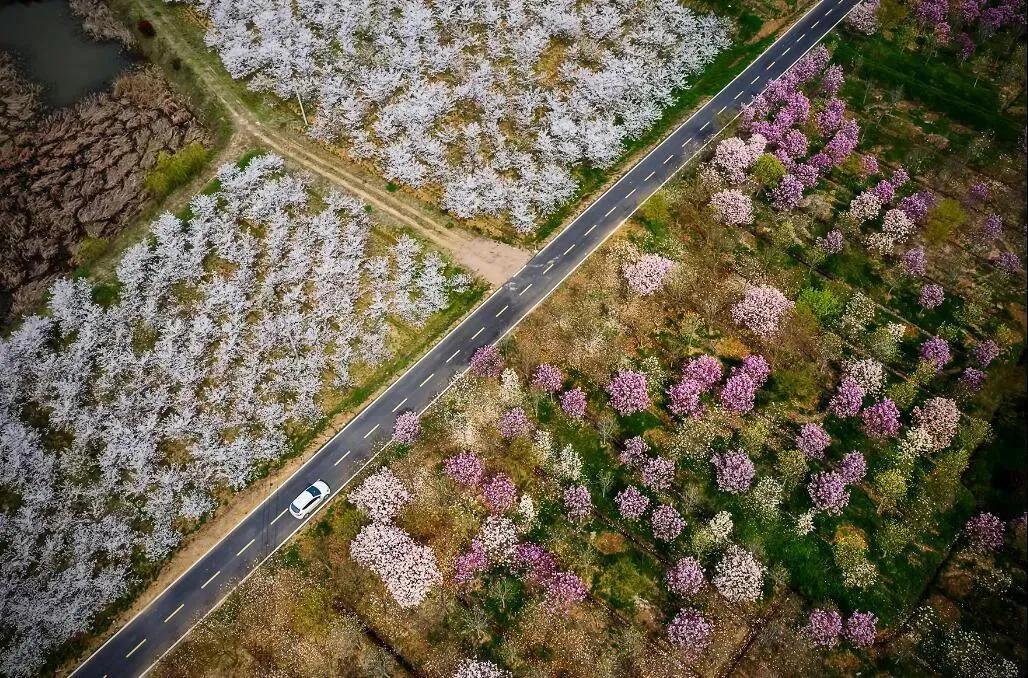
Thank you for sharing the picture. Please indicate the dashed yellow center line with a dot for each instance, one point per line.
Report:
(399, 404)
(133, 650)
(168, 618)
(210, 579)
(340, 459)
(279, 516)
(427, 379)
(248, 544)
(373, 428)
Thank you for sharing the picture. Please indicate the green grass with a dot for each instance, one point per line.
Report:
(933, 81)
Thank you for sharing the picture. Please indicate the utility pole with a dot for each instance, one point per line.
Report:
(298, 99)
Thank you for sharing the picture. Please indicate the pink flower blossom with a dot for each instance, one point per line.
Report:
(658, 473)
(761, 310)
(985, 532)
(686, 577)
(739, 393)
(563, 590)
(470, 563)
(628, 392)
(864, 17)
(831, 243)
(690, 632)
(972, 379)
(409, 570)
(732, 207)
(631, 503)
(514, 422)
(667, 523)
(407, 428)
(465, 469)
(381, 495)
(756, 368)
(787, 194)
(684, 398)
(992, 227)
(734, 471)
(577, 502)
(853, 468)
(634, 453)
(936, 351)
(827, 490)
(824, 628)
(862, 629)
(882, 419)
(848, 398)
(499, 493)
(813, 440)
(979, 191)
(646, 276)
(706, 370)
(931, 296)
(535, 562)
(985, 352)
(939, 418)
(573, 403)
(914, 262)
(548, 378)
(486, 362)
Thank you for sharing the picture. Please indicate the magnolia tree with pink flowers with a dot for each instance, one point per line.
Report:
(690, 632)
(647, 274)
(409, 570)
(628, 392)
(407, 428)
(732, 207)
(381, 495)
(762, 310)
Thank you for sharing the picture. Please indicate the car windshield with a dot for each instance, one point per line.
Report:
(315, 492)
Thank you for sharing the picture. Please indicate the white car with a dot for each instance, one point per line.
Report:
(309, 500)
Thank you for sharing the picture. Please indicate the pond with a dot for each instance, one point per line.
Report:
(54, 52)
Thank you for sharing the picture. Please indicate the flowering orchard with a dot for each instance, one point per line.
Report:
(228, 334)
(766, 456)
(487, 108)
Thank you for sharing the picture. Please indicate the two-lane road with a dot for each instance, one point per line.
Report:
(159, 626)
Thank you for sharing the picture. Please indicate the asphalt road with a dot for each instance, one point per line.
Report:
(157, 628)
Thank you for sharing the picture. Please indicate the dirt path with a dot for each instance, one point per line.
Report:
(493, 261)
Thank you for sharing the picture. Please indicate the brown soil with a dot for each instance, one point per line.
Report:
(78, 172)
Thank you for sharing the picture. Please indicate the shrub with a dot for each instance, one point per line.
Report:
(175, 170)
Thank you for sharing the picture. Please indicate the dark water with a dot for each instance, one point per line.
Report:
(53, 51)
